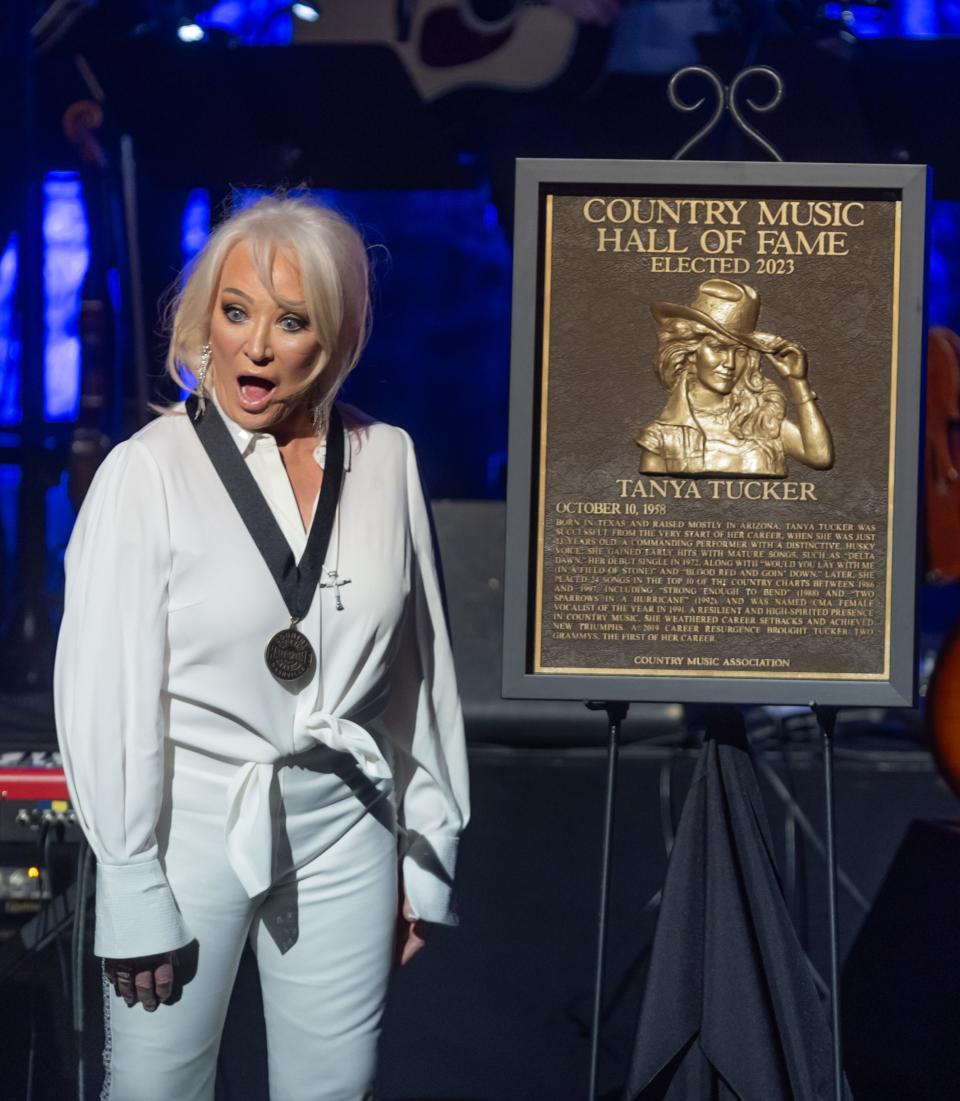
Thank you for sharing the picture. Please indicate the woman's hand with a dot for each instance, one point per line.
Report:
(144, 979)
(790, 360)
(411, 933)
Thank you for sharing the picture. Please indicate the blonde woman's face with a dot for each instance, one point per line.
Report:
(262, 354)
(720, 363)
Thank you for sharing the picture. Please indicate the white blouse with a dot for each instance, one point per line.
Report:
(169, 606)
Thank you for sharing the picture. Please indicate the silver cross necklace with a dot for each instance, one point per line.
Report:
(334, 580)
(336, 583)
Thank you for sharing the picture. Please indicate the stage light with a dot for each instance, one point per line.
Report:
(33, 872)
(10, 411)
(307, 12)
(191, 32)
(194, 224)
(66, 238)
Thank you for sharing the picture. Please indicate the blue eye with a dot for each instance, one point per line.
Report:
(235, 314)
(292, 324)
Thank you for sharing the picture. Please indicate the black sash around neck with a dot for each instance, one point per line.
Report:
(297, 583)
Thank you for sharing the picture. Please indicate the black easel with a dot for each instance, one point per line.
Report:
(727, 103)
(616, 713)
(827, 721)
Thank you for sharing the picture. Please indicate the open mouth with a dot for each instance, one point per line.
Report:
(254, 391)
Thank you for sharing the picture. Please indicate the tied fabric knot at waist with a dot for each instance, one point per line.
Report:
(249, 827)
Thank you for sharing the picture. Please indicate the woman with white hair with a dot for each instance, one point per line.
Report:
(723, 416)
(255, 693)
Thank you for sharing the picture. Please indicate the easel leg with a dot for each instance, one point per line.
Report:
(616, 713)
(827, 718)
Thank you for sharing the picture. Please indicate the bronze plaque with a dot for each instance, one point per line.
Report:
(716, 384)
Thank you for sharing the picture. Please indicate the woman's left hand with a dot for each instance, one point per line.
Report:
(411, 933)
(790, 361)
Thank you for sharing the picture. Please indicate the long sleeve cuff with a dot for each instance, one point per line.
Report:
(136, 912)
(428, 866)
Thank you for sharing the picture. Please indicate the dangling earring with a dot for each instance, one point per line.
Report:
(205, 352)
(319, 419)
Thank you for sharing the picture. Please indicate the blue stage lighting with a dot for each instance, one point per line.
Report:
(921, 19)
(10, 410)
(194, 224)
(10, 478)
(943, 281)
(194, 231)
(66, 256)
(251, 22)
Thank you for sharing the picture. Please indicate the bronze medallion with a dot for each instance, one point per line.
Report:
(289, 655)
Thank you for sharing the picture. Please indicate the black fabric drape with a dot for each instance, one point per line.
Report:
(730, 1011)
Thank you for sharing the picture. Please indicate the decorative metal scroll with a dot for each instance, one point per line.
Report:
(726, 100)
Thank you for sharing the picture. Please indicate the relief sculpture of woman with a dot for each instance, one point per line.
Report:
(723, 416)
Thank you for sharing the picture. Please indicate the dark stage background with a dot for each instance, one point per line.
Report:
(205, 109)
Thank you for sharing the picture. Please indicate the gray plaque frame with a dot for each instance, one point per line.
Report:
(536, 177)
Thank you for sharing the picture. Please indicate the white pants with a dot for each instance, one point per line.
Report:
(322, 934)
